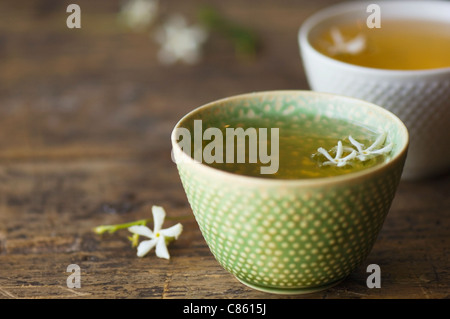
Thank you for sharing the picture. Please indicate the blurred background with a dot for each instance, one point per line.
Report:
(86, 113)
(100, 85)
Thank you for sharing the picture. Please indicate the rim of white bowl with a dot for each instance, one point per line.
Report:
(332, 180)
(354, 7)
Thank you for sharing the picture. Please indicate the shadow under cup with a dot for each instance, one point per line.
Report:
(291, 236)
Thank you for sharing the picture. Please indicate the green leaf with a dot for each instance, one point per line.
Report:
(245, 41)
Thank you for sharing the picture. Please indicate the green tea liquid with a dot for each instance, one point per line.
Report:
(298, 157)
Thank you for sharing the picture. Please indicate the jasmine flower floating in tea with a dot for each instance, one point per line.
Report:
(342, 46)
(338, 160)
(402, 44)
(373, 150)
(377, 149)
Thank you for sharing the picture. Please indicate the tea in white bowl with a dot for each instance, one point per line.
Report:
(401, 44)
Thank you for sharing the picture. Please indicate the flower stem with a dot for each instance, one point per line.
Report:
(245, 41)
(113, 228)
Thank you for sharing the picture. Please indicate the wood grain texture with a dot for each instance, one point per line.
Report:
(85, 121)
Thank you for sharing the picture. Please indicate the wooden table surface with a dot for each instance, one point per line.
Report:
(85, 122)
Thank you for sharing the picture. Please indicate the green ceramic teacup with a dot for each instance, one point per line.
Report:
(292, 236)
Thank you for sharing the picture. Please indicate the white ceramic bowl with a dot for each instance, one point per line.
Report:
(421, 99)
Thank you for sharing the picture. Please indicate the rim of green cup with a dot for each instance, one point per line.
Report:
(345, 178)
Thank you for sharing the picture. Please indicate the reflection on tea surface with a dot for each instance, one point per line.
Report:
(397, 45)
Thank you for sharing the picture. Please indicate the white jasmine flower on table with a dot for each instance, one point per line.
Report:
(353, 46)
(373, 150)
(338, 160)
(180, 42)
(139, 14)
(159, 238)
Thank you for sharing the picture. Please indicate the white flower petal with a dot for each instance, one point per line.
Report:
(158, 218)
(348, 149)
(179, 41)
(141, 230)
(322, 151)
(362, 158)
(161, 248)
(357, 144)
(379, 141)
(145, 246)
(353, 46)
(351, 156)
(339, 150)
(173, 231)
(356, 45)
(383, 150)
(336, 36)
